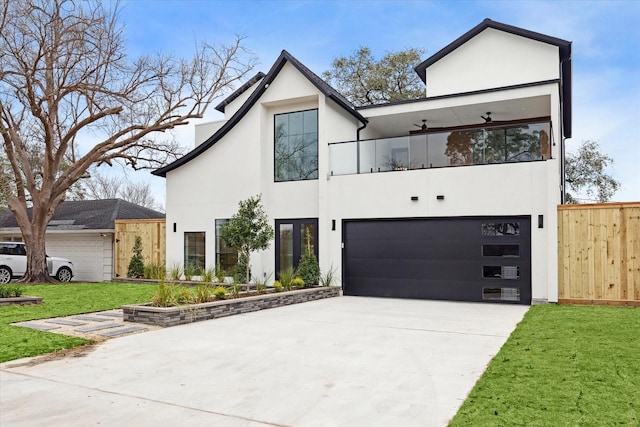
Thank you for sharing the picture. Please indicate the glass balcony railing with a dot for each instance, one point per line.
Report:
(479, 146)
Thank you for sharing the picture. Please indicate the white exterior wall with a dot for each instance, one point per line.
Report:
(469, 191)
(492, 59)
(204, 130)
(241, 165)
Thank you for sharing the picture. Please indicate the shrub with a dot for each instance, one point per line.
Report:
(164, 296)
(327, 278)
(136, 265)
(308, 269)
(220, 292)
(234, 290)
(10, 291)
(297, 283)
(240, 272)
(184, 296)
(277, 286)
(261, 284)
(220, 273)
(190, 270)
(203, 294)
(286, 278)
(207, 275)
(155, 271)
(175, 272)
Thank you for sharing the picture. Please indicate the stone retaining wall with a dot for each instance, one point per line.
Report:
(172, 316)
(21, 301)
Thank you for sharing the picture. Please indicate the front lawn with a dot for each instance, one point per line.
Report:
(61, 300)
(562, 366)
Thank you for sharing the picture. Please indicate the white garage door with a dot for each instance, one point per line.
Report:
(91, 254)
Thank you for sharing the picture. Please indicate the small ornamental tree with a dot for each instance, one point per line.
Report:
(248, 230)
(136, 265)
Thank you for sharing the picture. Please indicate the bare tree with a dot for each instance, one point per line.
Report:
(100, 186)
(65, 77)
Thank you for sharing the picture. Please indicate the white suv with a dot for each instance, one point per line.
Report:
(13, 263)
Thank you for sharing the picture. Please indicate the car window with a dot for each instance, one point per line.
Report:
(12, 249)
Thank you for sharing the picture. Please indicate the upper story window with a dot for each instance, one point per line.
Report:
(296, 146)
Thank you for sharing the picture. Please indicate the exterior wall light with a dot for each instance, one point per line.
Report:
(414, 198)
(440, 197)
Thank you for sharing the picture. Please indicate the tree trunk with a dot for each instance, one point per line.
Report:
(33, 233)
(246, 276)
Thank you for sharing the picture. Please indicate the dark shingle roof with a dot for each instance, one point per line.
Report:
(89, 215)
(284, 57)
(242, 89)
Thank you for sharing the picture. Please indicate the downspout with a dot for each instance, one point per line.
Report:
(562, 137)
(364, 125)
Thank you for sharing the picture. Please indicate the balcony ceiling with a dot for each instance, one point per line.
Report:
(396, 120)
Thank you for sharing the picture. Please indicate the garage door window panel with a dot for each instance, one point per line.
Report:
(510, 251)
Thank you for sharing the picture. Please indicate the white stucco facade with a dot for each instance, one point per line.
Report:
(512, 76)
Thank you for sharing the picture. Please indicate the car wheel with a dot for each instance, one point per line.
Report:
(5, 275)
(64, 274)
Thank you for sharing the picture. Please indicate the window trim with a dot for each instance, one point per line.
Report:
(203, 247)
(218, 240)
(275, 178)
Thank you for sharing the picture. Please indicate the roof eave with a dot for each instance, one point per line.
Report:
(253, 98)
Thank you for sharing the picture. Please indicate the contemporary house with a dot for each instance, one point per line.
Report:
(451, 196)
(84, 232)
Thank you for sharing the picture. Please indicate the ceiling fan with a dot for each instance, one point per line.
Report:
(424, 125)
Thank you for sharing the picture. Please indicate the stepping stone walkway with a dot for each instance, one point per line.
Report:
(95, 326)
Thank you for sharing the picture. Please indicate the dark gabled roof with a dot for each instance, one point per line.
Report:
(284, 57)
(564, 47)
(88, 215)
(242, 89)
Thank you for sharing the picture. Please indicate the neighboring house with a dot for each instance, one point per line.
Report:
(452, 196)
(83, 231)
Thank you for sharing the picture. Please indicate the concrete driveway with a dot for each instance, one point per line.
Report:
(347, 361)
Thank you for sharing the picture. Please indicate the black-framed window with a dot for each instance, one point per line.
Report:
(226, 256)
(194, 249)
(296, 146)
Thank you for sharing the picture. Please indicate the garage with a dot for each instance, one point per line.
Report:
(461, 259)
(91, 254)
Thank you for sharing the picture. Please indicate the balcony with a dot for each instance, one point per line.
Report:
(469, 146)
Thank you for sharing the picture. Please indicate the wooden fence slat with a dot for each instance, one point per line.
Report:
(599, 253)
(153, 234)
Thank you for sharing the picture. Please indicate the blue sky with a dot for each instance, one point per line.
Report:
(605, 36)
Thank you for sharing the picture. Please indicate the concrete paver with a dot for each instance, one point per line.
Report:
(93, 325)
(346, 361)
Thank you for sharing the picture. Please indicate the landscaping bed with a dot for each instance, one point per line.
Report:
(172, 316)
(21, 300)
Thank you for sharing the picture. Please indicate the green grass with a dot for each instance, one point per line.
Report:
(61, 300)
(562, 366)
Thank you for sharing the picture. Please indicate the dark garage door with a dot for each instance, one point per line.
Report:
(463, 259)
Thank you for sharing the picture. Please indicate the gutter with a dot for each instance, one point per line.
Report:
(364, 125)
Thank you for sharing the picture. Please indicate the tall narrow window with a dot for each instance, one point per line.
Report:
(226, 256)
(296, 145)
(194, 250)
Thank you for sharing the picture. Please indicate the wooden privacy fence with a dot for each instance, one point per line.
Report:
(599, 254)
(153, 234)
